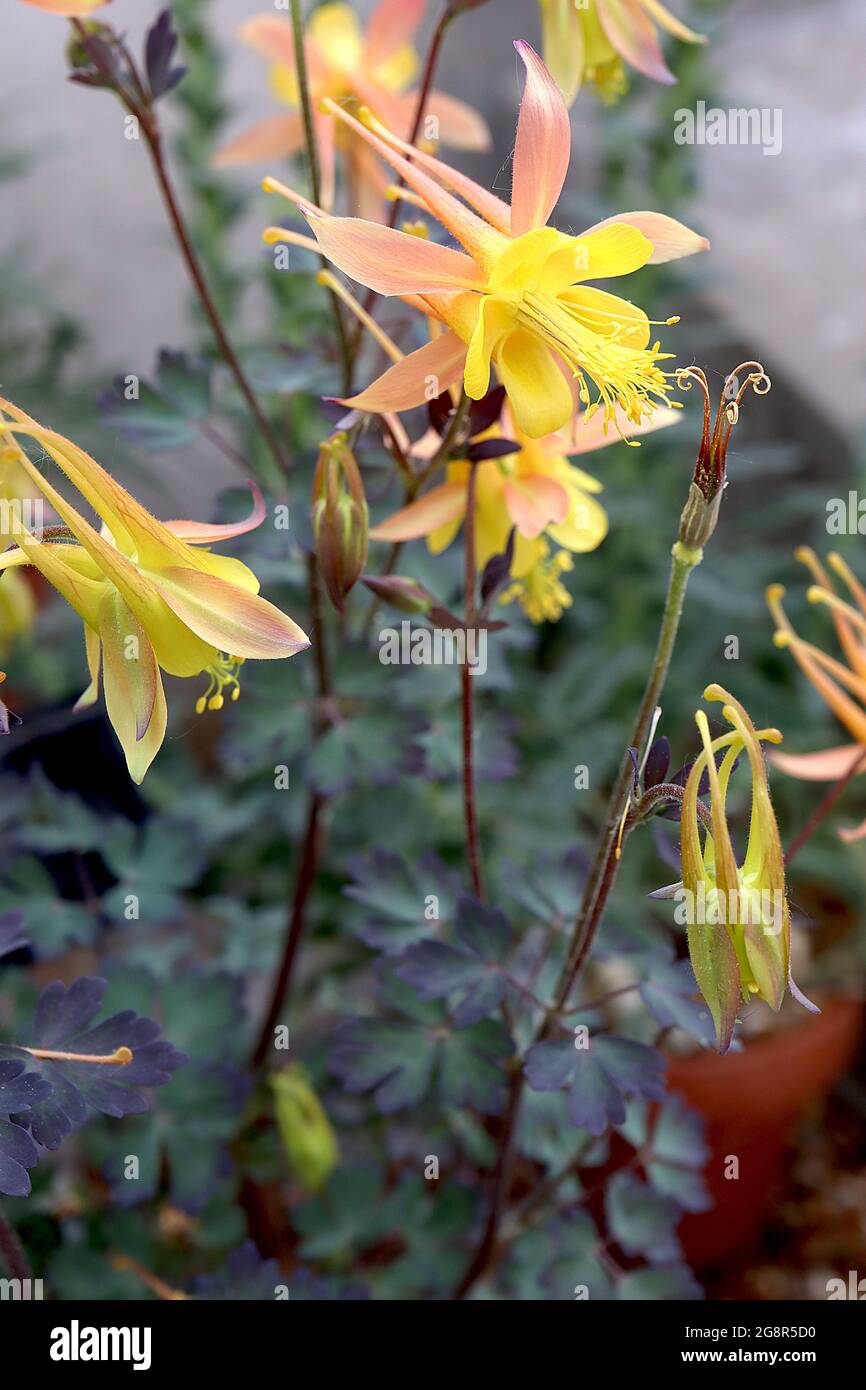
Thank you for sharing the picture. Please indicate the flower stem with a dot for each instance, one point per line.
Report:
(12, 1251)
(605, 862)
(303, 884)
(142, 109)
(598, 886)
(466, 691)
(312, 151)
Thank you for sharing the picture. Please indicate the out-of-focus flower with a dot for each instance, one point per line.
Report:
(375, 66)
(17, 610)
(738, 922)
(69, 9)
(534, 489)
(308, 1136)
(149, 600)
(592, 40)
(841, 683)
(339, 516)
(515, 296)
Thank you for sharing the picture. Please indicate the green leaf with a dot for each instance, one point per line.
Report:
(52, 923)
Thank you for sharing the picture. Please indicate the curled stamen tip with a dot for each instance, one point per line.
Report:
(123, 1056)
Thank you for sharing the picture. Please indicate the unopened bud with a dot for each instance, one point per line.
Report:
(309, 1140)
(402, 593)
(340, 518)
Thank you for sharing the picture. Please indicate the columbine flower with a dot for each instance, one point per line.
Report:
(375, 66)
(739, 928)
(515, 296)
(587, 40)
(69, 9)
(841, 683)
(148, 599)
(534, 489)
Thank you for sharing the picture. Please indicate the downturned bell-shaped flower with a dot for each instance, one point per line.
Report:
(150, 597)
(739, 928)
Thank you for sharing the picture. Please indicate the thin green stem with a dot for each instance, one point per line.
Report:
(605, 862)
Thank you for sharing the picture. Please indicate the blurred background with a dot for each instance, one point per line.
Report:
(91, 287)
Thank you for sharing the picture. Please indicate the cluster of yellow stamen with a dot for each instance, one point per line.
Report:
(222, 676)
(541, 593)
(623, 375)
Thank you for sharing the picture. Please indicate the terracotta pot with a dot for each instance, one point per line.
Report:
(751, 1101)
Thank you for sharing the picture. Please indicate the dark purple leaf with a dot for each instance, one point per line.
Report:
(470, 968)
(12, 934)
(492, 449)
(497, 571)
(599, 1077)
(159, 49)
(61, 1023)
(657, 763)
(440, 411)
(483, 414)
(20, 1091)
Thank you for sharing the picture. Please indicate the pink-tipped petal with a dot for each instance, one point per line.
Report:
(827, 765)
(271, 37)
(482, 241)
(534, 501)
(584, 436)
(205, 533)
(543, 146)
(493, 209)
(438, 507)
(420, 377)
(633, 35)
(230, 618)
(392, 262)
(392, 25)
(671, 240)
(277, 137)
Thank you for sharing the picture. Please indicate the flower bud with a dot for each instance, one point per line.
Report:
(340, 518)
(739, 928)
(309, 1141)
(405, 594)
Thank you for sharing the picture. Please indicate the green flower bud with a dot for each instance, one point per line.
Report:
(309, 1141)
(340, 518)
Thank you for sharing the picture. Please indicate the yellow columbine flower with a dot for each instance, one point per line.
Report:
(375, 66)
(739, 928)
(536, 490)
(516, 295)
(589, 41)
(149, 600)
(841, 683)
